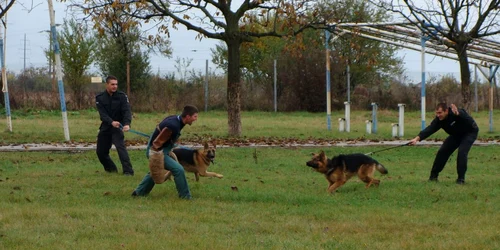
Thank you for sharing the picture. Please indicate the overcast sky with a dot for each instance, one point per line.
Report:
(33, 24)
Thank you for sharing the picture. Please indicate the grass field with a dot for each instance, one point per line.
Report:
(46, 126)
(66, 201)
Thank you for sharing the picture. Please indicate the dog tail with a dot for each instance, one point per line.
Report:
(381, 168)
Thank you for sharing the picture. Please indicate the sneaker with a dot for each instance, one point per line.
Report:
(134, 194)
(434, 179)
(460, 181)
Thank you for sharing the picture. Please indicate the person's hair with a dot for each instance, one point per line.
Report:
(442, 105)
(189, 110)
(110, 77)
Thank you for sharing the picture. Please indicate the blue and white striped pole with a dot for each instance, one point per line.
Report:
(5, 87)
(57, 53)
(374, 117)
(422, 87)
(492, 79)
(328, 94)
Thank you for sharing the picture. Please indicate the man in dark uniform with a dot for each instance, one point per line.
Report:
(462, 130)
(115, 114)
(164, 138)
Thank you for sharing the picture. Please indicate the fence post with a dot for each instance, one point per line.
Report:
(401, 121)
(347, 116)
(341, 125)
(374, 117)
(394, 129)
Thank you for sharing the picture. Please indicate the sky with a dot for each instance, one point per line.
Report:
(27, 38)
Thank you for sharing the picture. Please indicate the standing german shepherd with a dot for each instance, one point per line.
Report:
(195, 161)
(342, 167)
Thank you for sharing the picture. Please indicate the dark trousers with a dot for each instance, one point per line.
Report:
(464, 144)
(115, 137)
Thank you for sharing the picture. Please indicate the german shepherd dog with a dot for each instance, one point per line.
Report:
(195, 161)
(342, 167)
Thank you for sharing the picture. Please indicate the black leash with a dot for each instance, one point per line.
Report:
(373, 152)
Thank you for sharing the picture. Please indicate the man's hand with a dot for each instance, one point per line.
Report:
(414, 141)
(454, 109)
(115, 124)
(126, 128)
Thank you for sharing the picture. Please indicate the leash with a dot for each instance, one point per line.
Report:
(135, 131)
(373, 152)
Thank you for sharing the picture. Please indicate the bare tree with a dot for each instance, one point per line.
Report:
(455, 24)
(4, 9)
(222, 19)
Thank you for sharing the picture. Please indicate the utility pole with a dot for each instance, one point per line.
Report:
(24, 68)
(128, 79)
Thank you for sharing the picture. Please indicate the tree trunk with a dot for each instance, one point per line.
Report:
(464, 75)
(234, 88)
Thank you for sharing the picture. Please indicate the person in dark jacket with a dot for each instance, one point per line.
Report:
(164, 137)
(462, 130)
(116, 117)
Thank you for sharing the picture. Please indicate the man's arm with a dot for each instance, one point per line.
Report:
(462, 114)
(103, 114)
(431, 129)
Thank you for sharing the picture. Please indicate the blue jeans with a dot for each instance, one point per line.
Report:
(171, 165)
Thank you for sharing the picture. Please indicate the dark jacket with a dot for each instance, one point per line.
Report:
(113, 108)
(452, 124)
(173, 123)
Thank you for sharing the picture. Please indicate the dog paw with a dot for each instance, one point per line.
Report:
(219, 176)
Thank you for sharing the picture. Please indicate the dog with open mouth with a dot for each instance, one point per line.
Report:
(195, 161)
(341, 168)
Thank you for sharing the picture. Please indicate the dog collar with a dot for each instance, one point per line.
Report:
(330, 171)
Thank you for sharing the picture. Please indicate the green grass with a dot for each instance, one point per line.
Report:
(66, 201)
(46, 126)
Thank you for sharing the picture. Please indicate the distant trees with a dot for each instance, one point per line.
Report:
(221, 19)
(118, 49)
(78, 48)
(301, 60)
(453, 23)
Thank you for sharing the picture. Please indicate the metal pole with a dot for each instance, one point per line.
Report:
(128, 78)
(24, 61)
(206, 85)
(374, 117)
(475, 88)
(328, 94)
(347, 116)
(275, 88)
(492, 79)
(57, 54)
(422, 101)
(5, 87)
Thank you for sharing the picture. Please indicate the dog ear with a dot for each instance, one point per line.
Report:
(206, 145)
(322, 155)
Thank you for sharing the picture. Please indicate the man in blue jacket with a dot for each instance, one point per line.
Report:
(164, 138)
(462, 130)
(114, 111)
